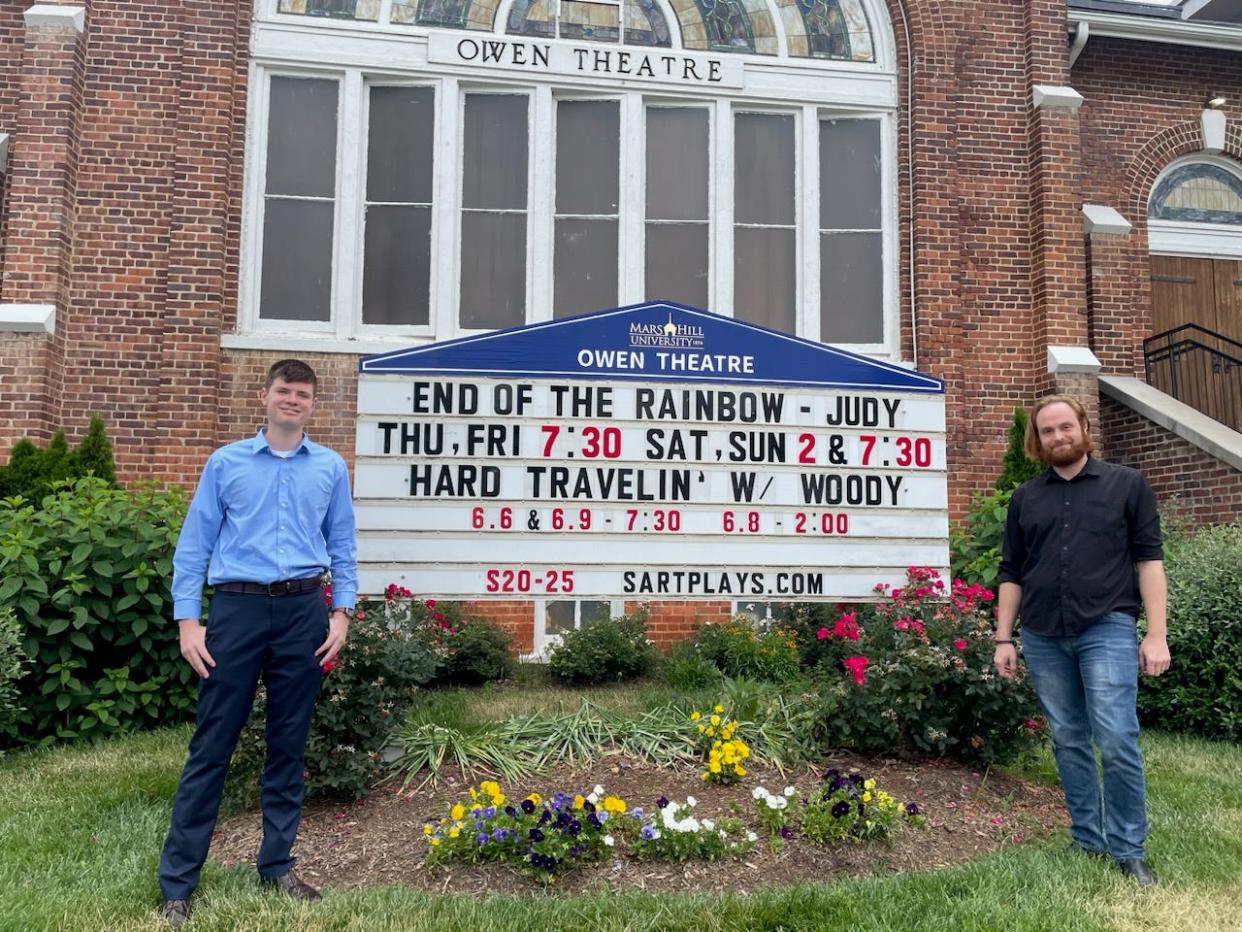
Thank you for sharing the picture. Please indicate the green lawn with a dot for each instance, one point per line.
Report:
(80, 831)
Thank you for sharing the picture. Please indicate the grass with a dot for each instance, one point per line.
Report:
(81, 828)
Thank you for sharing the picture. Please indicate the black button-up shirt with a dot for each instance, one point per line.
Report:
(1072, 546)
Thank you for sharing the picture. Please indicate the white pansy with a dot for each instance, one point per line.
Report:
(593, 798)
(599, 790)
(789, 790)
(758, 792)
(751, 836)
(724, 834)
(709, 824)
(608, 840)
(655, 833)
(691, 802)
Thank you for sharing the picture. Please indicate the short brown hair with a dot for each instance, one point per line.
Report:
(1034, 449)
(292, 370)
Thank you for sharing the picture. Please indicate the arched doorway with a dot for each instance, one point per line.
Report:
(1195, 241)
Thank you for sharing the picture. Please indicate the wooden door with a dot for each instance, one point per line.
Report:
(1183, 291)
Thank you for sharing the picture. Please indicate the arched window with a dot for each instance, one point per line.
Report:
(467, 165)
(1198, 192)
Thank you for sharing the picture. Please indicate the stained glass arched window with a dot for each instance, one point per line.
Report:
(365, 10)
(455, 14)
(641, 22)
(834, 29)
(1200, 192)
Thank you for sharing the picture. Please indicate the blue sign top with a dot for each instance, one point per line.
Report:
(655, 341)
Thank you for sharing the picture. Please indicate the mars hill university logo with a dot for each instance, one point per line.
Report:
(668, 335)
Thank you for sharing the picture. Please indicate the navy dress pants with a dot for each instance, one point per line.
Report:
(248, 636)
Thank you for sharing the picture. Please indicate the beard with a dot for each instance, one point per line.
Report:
(1067, 453)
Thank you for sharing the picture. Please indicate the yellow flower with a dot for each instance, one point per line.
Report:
(714, 767)
(454, 832)
(710, 732)
(869, 785)
(704, 775)
(695, 715)
(427, 830)
(740, 771)
(473, 793)
(579, 802)
(715, 719)
(718, 708)
(490, 787)
(457, 811)
(498, 799)
(535, 798)
(435, 842)
(866, 797)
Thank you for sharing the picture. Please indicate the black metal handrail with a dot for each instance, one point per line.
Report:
(1199, 367)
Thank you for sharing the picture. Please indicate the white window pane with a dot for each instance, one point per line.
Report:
(677, 163)
(763, 170)
(587, 156)
(494, 156)
(765, 277)
(493, 270)
(849, 175)
(396, 280)
(399, 144)
(677, 263)
(297, 260)
(585, 266)
(851, 287)
(301, 137)
(558, 617)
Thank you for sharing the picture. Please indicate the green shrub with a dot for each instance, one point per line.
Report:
(975, 546)
(685, 670)
(394, 647)
(88, 575)
(12, 661)
(604, 650)
(1201, 693)
(1016, 467)
(912, 674)
(33, 472)
(738, 650)
(478, 653)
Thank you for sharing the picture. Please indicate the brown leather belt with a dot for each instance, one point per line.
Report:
(284, 587)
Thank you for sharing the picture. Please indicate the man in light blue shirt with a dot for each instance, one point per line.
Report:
(270, 516)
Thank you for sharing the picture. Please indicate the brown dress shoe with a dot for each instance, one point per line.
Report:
(176, 913)
(295, 887)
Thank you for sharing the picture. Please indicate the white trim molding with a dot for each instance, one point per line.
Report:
(53, 16)
(1098, 219)
(1207, 240)
(4, 152)
(1064, 360)
(1212, 125)
(1155, 29)
(27, 318)
(1055, 97)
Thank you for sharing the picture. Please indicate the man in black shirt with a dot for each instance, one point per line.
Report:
(1081, 552)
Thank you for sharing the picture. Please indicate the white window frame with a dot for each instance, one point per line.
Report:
(369, 54)
(544, 642)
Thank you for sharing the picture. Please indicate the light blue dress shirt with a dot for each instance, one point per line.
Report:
(259, 517)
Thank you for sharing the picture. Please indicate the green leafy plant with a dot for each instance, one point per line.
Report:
(975, 546)
(776, 812)
(604, 650)
(477, 653)
(1201, 693)
(850, 807)
(87, 576)
(687, 671)
(737, 649)
(912, 673)
(394, 647)
(33, 472)
(1016, 466)
(12, 662)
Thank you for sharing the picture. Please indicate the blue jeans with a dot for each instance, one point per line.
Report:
(1088, 686)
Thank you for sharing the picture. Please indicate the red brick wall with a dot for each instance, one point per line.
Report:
(1187, 481)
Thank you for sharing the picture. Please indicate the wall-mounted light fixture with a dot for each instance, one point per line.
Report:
(1216, 101)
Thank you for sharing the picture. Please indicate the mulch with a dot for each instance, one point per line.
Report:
(379, 839)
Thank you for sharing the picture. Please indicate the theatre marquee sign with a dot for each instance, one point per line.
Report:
(654, 451)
